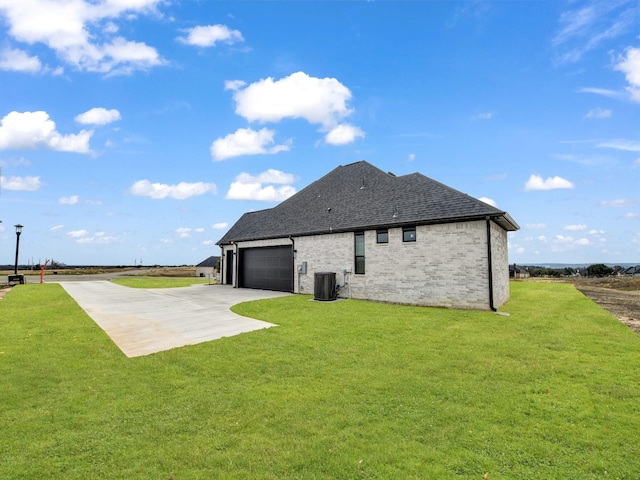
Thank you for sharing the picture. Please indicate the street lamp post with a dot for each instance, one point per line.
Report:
(18, 232)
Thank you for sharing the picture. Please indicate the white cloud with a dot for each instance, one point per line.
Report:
(536, 182)
(76, 32)
(320, 101)
(111, 27)
(574, 228)
(268, 176)
(632, 215)
(78, 233)
(621, 144)
(31, 130)
(488, 201)
(601, 91)
(598, 113)
(574, 24)
(209, 35)
(234, 84)
(98, 116)
(181, 191)
(618, 202)
(15, 162)
(255, 191)
(30, 184)
(590, 24)
(343, 134)
(19, 61)
(581, 159)
(183, 232)
(411, 157)
(56, 228)
(630, 66)
(246, 141)
(98, 238)
(122, 57)
(535, 226)
(72, 200)
(483, 116)
(249, 187)
(220, 226)
(562, 243)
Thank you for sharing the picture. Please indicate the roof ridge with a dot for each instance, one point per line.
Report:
(353, 163)
(443, 185)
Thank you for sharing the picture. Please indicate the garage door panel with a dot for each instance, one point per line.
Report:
(268, 268)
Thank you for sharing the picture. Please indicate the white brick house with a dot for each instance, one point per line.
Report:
(208, 267)
(408, 240)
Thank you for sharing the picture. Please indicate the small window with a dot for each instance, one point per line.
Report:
(359, 250)
(409, 234)
(382, 236)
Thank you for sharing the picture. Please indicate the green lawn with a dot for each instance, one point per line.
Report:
(338, 391)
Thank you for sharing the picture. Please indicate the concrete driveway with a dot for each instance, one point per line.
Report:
(145, 321)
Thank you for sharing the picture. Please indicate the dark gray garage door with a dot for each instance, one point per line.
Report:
(268, 268)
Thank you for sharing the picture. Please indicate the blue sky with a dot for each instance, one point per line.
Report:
(140, 130)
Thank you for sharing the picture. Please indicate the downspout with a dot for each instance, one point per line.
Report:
(236, 261)
(490, 269)
(222, 265)
(293, 250)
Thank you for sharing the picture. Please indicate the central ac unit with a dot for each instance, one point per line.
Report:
(324, 286)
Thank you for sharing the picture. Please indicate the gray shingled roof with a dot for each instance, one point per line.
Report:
(209, 262)
(360, 196)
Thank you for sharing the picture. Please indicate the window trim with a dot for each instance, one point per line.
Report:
(355, 253)
(382, 232)
(406, 230)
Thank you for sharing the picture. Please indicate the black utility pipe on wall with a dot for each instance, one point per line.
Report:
(491, 306)
(293, 273)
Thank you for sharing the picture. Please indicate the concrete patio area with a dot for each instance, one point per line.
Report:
(145, 321)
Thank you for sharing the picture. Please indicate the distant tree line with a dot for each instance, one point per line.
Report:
(595, 270)
(599, 270)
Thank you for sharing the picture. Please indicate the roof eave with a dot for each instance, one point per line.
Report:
(503, 219)
(506, 222)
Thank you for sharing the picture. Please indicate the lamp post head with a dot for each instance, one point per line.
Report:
(18, 229)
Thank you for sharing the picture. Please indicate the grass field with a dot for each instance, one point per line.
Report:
(130, 271)
(343, 390)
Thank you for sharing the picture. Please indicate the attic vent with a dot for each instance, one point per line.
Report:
(362, 187)
(328, 209)
(392, 174)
